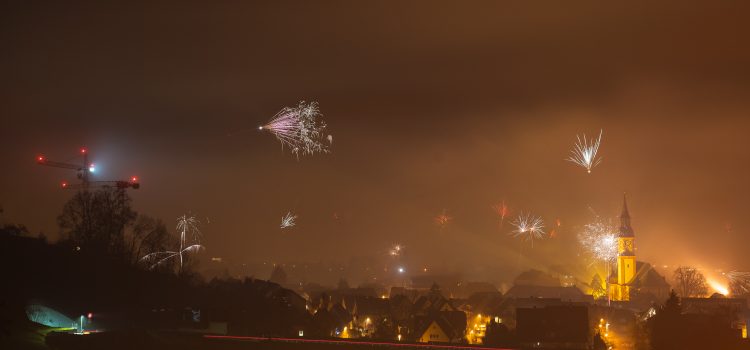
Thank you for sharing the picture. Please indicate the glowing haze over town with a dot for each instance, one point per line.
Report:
(399, 146)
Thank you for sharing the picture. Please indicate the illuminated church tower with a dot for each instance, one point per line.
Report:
(623, 278)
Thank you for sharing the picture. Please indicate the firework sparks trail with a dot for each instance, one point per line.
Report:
(301, 129)
(600, 239)
(288, 220)
(502, 210)
(584, 153)
(396, 250)
(739, 282)
(189, 232)
(443, 219)
(529, 227)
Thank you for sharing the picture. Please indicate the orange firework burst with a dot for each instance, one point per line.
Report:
(502, 210)
(443, 219)
(553, 232)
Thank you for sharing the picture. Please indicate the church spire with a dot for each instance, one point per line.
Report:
(625, 229)
(625, 213)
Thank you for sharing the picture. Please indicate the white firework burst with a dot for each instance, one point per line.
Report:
(600, 239)
(288, 220)
(528, 227)
(189, 242)
(584, 152)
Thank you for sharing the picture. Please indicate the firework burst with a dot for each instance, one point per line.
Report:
(288, 220)
(584, 152)
(443, 219)
(396, 250)
(189, 242)
(301, 129)
(739, 282)
(600, 239)
(502, 210)
(529, 227)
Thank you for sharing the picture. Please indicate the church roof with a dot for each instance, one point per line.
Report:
(625, 229)
(645, 276)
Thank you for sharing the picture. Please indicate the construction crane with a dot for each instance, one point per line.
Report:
(84, 171)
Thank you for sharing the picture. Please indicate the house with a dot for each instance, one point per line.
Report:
(481, 309)
(550, 292)
(441, 327)
(433, 302)
(734, 311)
(701, 331)
(554, 327)
(400, 309)
(506, 312)
(331, 319)
(368, 313)
(435, 319)
(535, 277)
(469, 288)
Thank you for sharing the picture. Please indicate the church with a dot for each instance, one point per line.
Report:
(632, 277)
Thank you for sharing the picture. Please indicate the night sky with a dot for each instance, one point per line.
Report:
(456, 105)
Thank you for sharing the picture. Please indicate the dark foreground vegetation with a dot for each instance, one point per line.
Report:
(95, 269)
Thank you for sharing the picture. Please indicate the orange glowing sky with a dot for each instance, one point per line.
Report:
(433, 105)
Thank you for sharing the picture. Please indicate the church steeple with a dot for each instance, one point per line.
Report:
(625, 229)
(626, 262)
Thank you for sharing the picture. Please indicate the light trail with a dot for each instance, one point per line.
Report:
(349, 342)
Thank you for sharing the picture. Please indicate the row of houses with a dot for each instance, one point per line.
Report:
(537, 316)
(429, 317)
(419, 315)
